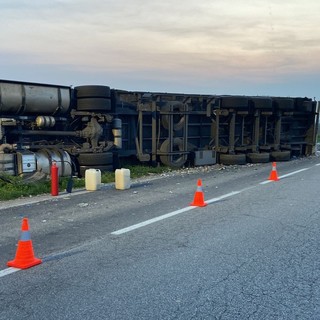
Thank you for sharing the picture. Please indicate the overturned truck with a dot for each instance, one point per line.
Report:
(92, 126)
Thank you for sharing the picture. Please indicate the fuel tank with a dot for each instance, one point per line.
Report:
(22, 98)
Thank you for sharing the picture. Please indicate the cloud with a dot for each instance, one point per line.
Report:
(252, 40)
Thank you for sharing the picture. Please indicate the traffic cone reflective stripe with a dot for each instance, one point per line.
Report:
(24, 255)
(25, 235)
(198, 200)
(273, 174)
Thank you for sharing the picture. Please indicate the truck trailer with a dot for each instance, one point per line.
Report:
(94, 126)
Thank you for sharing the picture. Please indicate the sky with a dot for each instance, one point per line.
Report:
(243, 47)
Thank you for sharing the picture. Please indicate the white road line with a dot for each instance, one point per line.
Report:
(171, 214)
(174, 213)
(286, 175)
(265, 182)
(225, 196)
(147, 222)
(7, 271)
(294, 172)
(10, 270)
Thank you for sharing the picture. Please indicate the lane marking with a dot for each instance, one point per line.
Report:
(224, 196)
(11, 270)
(287, 175)
(56, 256)
(147, 222)
(294, 172)
(7, 271)
(173, 213)
(265, 182)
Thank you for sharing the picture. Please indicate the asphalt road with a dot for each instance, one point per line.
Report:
(144, 253)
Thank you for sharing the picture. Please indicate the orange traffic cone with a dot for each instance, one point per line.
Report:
(273, 174)
(24, 255)
(198, 200)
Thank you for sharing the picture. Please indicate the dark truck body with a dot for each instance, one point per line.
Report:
(92, 126)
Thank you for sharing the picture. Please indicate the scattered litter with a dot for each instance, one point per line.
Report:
(83, 204)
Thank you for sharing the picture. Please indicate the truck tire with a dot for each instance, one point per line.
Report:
(175, 161)
(261, 103)
(280, 155)
(262, 157)
(93, 92)
(308, 106)
(283, 104)
(303, 105)
(92, 159)
(234, 102)
(233, 159)
(94, 104)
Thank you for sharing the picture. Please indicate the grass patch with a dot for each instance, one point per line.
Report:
(14, 187)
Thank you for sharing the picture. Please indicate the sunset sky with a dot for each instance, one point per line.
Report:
(246, 47)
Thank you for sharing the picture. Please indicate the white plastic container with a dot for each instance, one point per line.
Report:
(93, 179)
(122, 179)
